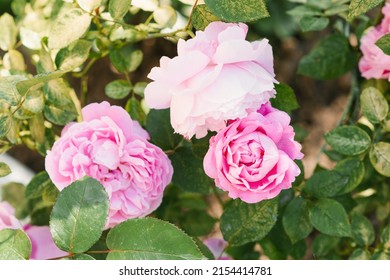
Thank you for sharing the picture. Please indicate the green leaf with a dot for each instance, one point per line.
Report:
(381, 255)
(238, 10)
(325, 183)
(353, 170)
(360, 254)
(329, 217)
(33, 104)
(14, 245)
(244, 252)
(197, 223)
(243, 223)
(336, 10)
(60, 115)
(133, 107)
(384, 44)
(302, 10)
(4, 169)
(309, 23)
(118, 89)
(74, 55)
(362, 230)
(126, 59)
(374, 105)
(358, 7)
(41, 186)
(8, 91)
(345, 177)
(69, 27)
(79, 257)
(285, 99)
(330, 51)
(189, 174)
(380, 158)
(158, 125)
(118, 8)
(79, 215)
(139, 88)
(8, 32)
(5, 125)
(296, 221)
(150, 239)
(14, 194)
(348, 140)
(202, 17)
(385, 237)
(25, 85)
(323, 244)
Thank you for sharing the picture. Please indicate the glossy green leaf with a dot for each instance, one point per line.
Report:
(60, 115)
(330, 51)
(362, 230)
(385, 237)
(69, 27)
(158, 125)
(133, 107)
(74, 55)
(308, 23)
(348, 140)
(5, 125)
(13, 193)
(285, 99)
(296, 221)
(4, 169)
(303, 10)
(40, 186)
(323, 244)
(325, 183)
(126, 59)
(8, 32)
(360, 254)
(238, 10)
(329, 217)
(358, 7)
(25, 85)
(243, 223)
(380, 158)
(353, 170)
(150, 239)
(384, 44)
(79, 257)
(202, 17)
(374, 105)
(118, 8)
(118, 89)
(383, 254)
(189, 173)
(79, 215)
(139, 88)
(14, 245)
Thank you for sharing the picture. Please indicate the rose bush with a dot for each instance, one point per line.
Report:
(113, 149)
(218, 75)
(253, 158)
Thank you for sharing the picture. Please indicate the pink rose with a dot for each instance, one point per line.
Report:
(217, 76)
(7, 216)
(113, 149)
(43, 246)
(375, 63)
(252, 158)
(217, 246)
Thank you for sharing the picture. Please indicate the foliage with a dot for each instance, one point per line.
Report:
(48, 49)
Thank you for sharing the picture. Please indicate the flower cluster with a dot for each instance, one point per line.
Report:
(110, 147)
(375, 63)
(221, 82)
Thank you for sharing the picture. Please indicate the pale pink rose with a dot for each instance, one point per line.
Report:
(217, 76)
(253, 158)
(42, 244)
(113, 149)
(7, 216)
(375, 63)
(217, 246)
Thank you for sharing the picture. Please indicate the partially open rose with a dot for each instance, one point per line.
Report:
(111, 148)
(217, 76)
(253, 158)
